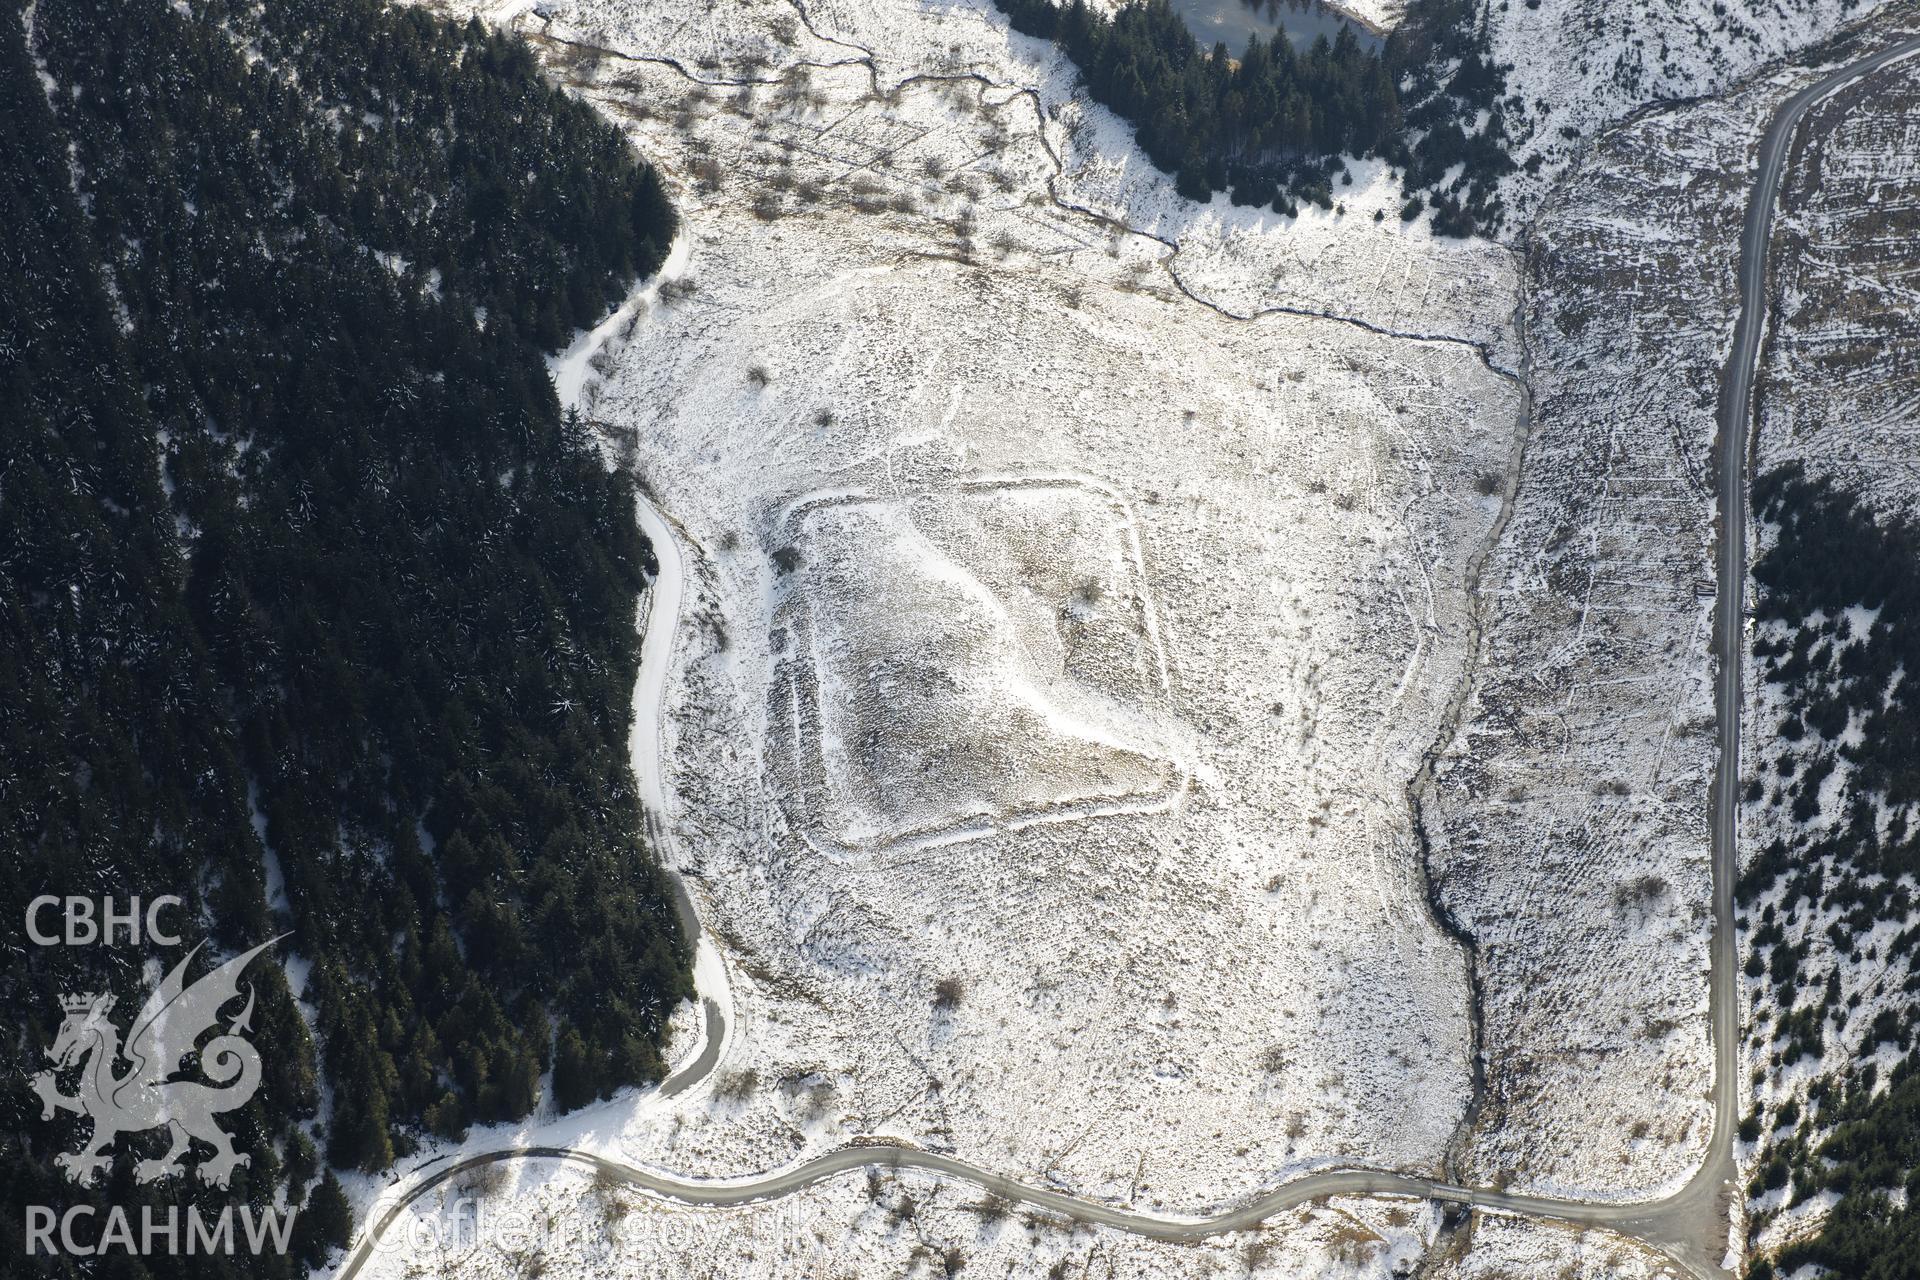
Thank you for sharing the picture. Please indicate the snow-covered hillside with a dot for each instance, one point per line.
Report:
(1203, 919)
(1580, 776)
(1580, 65)
(1079, 578)
(981, 441)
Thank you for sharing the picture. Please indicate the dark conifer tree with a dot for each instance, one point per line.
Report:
(303, 575)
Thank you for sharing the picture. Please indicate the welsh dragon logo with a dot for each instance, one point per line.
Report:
(144, 1097)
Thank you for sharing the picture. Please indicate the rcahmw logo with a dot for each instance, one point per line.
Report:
(127, 1086)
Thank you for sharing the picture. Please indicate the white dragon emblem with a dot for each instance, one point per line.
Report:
(165, 1030)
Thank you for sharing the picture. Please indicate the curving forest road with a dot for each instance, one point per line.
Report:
(649, 697)
(1691, 1226)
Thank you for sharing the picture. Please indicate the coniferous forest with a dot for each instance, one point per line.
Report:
(316, 612)
(1841, 586)
(1268, 124)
